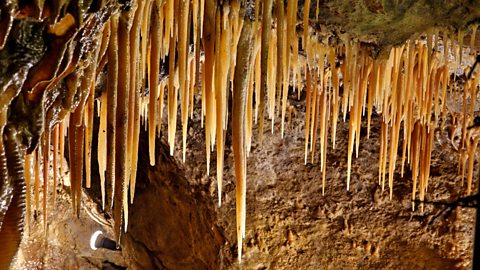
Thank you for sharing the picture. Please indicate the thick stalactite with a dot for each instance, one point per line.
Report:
(13, 222)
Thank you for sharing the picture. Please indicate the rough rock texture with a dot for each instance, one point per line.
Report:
(175, 223)
(291, 225)
(172, 225)
(387, 23)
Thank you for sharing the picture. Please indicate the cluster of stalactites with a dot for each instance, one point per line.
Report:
(413, 90)
(408, 89)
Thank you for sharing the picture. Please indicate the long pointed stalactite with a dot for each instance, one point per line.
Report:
(121, 121)
(266, 29)
(240, 85)
(112, 90)
(154, 75)
(209, 52)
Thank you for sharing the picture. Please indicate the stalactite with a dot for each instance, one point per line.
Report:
(283, 62)
(172, 93)
(471, 159)
(145, 39)
(266, 22)
(61, 143)
(136, 85)
(36, 162)
(102, 145)
(258, 79)
(336, 96)
(76, 150)
(183, 42)
(89, 84)
(238, 127)
(155, 44)
(196, 21)
(121, 123)
(112, 86)
(134, 41)
(28, 185)
(306, 18)
(89, 111)
(12, 227)
(54, 166)
(272, 71)
(249, 115)
(315, 108)
(46, 164)
(307, 112)
(209, 50)
(223, 38)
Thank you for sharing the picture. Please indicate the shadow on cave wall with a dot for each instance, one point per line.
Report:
(171, 223)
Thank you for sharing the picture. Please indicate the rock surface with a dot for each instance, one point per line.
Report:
(172, 226)
(383, 24)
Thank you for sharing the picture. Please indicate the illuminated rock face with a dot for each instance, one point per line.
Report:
(343, 64)
(291, 224)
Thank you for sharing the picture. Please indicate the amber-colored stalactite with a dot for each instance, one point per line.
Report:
(28, 186)
(183, 42)
(61, 143)
(154, 76)
(209, 50)
(102, 145)
(238, 127)
(172, 89)
(54, 161)
(112, 86)
(266, 22)
(134, 96)
(36, 184)
(46, 164)
(121, 124)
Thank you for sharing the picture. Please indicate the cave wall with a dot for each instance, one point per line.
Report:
(173, 223)
(382, 24)
(291, 224)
